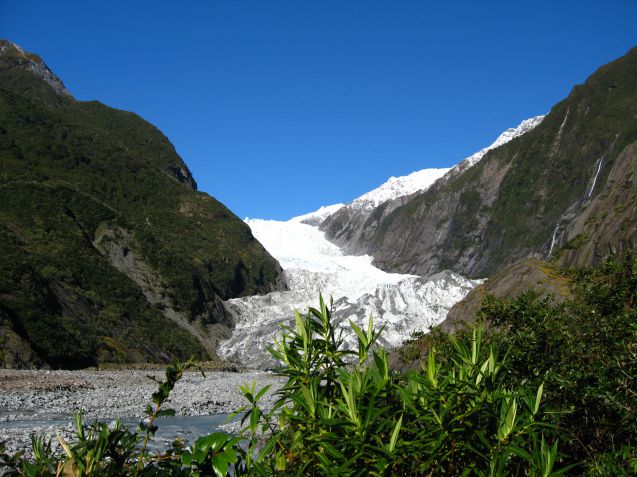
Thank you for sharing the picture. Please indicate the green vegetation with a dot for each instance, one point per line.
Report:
(537, 389)
(455, 418)
(341, 412)
(96, 201)
(531, 198)
(78, 179)
(584, 352)
(506, 207)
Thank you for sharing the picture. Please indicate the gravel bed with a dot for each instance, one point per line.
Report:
(28, 399)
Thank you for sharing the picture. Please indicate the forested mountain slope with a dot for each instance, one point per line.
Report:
(108, 251)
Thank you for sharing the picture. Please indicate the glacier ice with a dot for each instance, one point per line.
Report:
(313, 265)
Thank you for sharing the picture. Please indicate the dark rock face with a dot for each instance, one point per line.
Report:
(108, 252)
(608, 223)
(352, 229)
(563, 189)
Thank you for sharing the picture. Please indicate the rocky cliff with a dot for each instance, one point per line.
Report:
(565, 189)
(108, 251)
(351, 226)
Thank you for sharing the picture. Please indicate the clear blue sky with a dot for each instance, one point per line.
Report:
(279, 107)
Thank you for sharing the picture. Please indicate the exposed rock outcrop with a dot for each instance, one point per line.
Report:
(557, 186)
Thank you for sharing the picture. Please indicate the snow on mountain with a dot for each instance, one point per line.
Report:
(318, 216)
(313, 265)
(396, 187)
(511, 133)
(419, 181)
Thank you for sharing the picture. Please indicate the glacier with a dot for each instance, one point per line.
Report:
(312, 265)
(418, 181)
(401, 303)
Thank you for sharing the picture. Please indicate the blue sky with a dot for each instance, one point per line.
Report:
(279, 107)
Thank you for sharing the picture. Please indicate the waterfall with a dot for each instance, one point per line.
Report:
(557, 227)
(570, 212)
(559, 134)
(599, 168)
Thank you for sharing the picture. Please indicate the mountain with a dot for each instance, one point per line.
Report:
(564, 190)
(108, 251)
(392, 189)
(318, 216)
(401, 303)
(352, 225)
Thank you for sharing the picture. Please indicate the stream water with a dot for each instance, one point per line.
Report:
(169, 428)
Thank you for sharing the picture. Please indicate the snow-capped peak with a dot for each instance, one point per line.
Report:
(316, 217)
(418, 181)
(396, 187)
(511, 133)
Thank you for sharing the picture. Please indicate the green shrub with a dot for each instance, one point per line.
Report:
(340, 412)
(586, 352)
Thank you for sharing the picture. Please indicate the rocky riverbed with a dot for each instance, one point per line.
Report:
(45, 401)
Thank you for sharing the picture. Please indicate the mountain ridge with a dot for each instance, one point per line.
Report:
(477, 220)
(350, 225)
(110, 254)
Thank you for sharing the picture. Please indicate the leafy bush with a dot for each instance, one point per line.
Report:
(586, 352)
(475, 407)
(341, 412)
(344, 413)
(71, 170)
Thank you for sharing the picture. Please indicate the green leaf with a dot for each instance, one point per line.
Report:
(538, 398)
(186, 458)
(263, 390)
(370, 329)
(220, 466)
(309, 399)
(214, 441)
(394, 434)
(431, 367)
(361, 336)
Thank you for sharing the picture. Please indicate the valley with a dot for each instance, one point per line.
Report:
(401, 304)
(507, 281)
